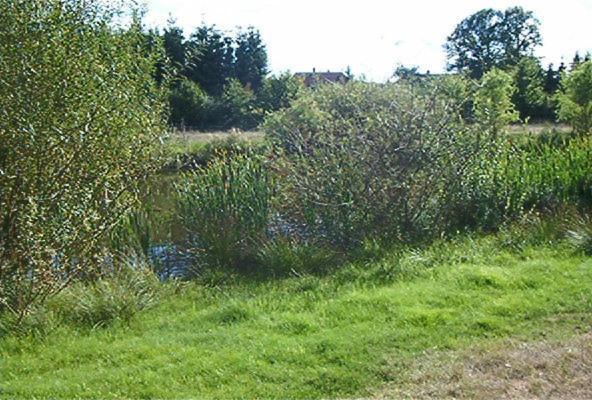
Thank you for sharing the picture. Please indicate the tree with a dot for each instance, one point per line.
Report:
(553, 79)
(349, 73)
(174, 45)
(575, 98)
(278, 92)
(208, 61)
(492, 38)
(406, 73)
(81, 121)
(238, 102)
(530, 98)
(187, 102)
(493, 100)
(251, 59)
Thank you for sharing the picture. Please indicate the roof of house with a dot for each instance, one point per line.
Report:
(329, 76)
(313, 78)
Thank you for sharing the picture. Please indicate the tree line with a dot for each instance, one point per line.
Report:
(221, 79)
(507, 40)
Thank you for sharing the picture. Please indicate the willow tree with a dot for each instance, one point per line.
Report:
(80, 119)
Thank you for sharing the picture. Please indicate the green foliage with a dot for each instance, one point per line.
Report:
(209, 59)
(187, 102)
(579, 233)
(174, 45)
(366, 160)
(283, 256)
(517, 178)
(224, 208)
(406, 73)
(230, 69)
(575, 98)
(492, 38)
(238, 102)
(250, 65)
(79, 132)
(143, 227)
(493, 101)
(530, 98)
(119, 297)
(278, 92)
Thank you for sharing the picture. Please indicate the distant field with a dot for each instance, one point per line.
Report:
(192, 136)
(537, 129)
(205, 137)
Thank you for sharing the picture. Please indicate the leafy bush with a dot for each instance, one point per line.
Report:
(224, 208)
(238, 103)
(530, 98)
(278, 92)
(187, 103)
(575, 98)
(366, 160)
(493, 100)
(81, 119)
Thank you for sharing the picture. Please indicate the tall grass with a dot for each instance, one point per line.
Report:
(512, 179)
(224, 208)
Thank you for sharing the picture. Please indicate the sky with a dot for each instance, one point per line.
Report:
(371, 36)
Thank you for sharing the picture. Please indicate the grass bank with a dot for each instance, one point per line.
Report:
(346, 334)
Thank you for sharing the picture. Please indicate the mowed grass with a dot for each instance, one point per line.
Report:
(341, 335)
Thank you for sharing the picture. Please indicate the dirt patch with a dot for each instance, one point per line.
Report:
(514, 371)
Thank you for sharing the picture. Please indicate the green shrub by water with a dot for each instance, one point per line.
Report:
(363, 160)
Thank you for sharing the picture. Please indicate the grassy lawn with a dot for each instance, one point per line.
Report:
(350, 333)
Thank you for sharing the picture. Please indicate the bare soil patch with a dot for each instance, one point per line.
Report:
(542, 370)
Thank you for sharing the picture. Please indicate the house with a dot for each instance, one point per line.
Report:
(314, 78)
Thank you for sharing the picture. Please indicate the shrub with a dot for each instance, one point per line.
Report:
(238, 103)
(81, 119)
(187, 103)
(278, 92)
(366, 160)
(575, 98)
(493, 100)
(224, 208)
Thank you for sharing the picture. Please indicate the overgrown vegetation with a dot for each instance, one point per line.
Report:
(575, 100)
(81, 119)
(380, 214)
(224, 208)
(222, 79)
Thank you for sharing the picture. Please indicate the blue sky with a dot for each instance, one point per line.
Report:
(371, 36)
